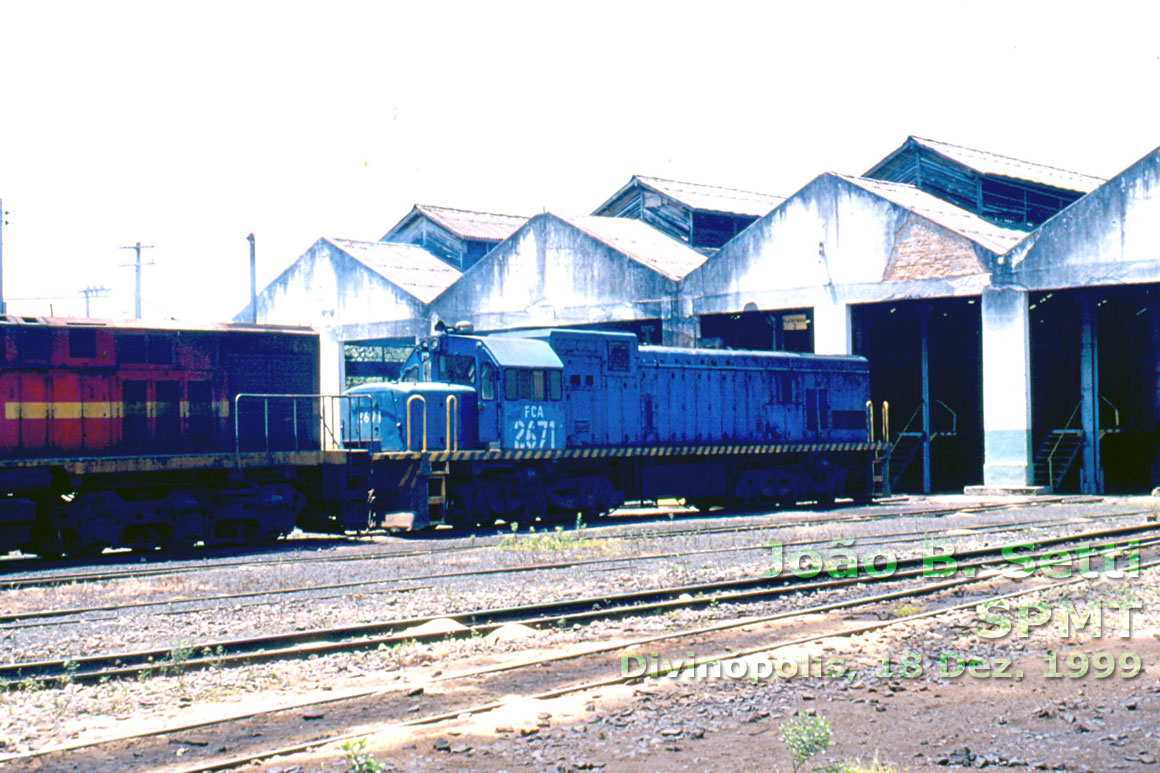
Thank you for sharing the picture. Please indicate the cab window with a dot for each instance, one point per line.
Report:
(458, 369)
(524, 385)
(486, 381)
(555, 385)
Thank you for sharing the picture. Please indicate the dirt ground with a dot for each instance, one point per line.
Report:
(1021, 715)
(923, 693)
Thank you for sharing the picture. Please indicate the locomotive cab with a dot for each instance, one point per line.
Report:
(517, 383)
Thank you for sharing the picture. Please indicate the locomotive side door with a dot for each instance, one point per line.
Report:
(489, 427)
(817, 408)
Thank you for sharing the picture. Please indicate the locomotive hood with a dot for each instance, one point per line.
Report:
(412, 416)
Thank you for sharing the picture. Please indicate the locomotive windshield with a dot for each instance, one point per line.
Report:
(458, 369)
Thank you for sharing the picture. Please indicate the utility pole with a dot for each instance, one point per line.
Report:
(253, 282)
(93, 292)
(137, 264)
(3, 222)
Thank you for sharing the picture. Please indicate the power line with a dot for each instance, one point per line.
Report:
(3, 222)
(137, 264)
(93, 292)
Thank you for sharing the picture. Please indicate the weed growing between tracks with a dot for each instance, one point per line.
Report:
(907, 609)
(553, 541)
(358, 759)
(809, 734)
(806, 735)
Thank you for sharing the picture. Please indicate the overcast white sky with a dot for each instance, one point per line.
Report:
(187, 126)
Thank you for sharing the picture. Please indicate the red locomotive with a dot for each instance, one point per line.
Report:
(117, 434)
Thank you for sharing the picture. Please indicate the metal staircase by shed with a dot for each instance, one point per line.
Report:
(907, 446)
(1060, 449)
(1056, 455)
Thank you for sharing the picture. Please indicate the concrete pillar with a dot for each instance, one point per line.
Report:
(1008, 460)
(332, 363)
(679, 325)
(1091, 474)
(832, 328)
(1154, 310)
(331, 381)
(924, 349)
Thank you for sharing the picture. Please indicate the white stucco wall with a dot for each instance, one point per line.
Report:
(552, 274)
(326, 287)
(1111, 236)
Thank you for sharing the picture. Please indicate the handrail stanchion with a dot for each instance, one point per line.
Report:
(423, 403)
(294, 403)
(886, 421)
(869, 421)
(452, 439)
(1115, 410)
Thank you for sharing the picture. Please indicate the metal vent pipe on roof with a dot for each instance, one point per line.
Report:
(253, 282)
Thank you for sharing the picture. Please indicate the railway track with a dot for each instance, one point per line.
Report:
(363, 585)
(96, 668)
(137, 572)
(392, 706)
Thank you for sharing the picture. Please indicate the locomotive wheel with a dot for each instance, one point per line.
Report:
(235, 532)
(481, 510)
(46, 544)
(75, 547)
(176, 545)
(535, 506)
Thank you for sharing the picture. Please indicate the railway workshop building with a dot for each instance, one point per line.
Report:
(1008, 309)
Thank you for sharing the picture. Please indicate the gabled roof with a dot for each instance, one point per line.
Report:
(408, 267)
(1113, 225)
(710, 198)
(640, 242)
(995, 238)
(987, 163)
(481, 226)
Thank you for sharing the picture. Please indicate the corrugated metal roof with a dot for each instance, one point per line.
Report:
(640, 242)
(995, 238)
(408, 267)
(713, 198)
(1004, 166)
(484, 226)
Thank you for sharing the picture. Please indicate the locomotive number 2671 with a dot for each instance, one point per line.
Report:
(532, 434)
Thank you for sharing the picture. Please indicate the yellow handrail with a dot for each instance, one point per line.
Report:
(452, 437)
(1058, 440)
(1115, 410)
(410, 400)
(870, 421)
(886, 421)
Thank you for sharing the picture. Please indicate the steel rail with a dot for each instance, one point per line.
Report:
(225, 764)
(877, 539)
(18, 583)
(283, 646)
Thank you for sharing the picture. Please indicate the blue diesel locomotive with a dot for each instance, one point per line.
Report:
(559, 422)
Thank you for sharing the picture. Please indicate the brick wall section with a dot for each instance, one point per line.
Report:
(925, 251)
